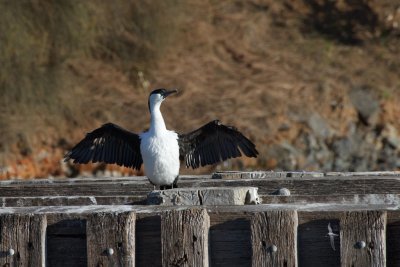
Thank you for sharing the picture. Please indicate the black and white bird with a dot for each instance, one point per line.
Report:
(159, 149)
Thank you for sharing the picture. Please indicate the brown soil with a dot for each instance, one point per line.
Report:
(283, 72)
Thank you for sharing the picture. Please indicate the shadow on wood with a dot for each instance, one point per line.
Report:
(230, 243)
(66, 243)
(313, 244)
(148, 241)
(393, 244)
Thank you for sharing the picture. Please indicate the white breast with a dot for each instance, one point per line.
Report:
(160, 155)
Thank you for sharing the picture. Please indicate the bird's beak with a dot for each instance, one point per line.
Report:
(170, 92)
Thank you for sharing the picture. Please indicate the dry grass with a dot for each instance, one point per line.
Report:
(69, 66)
(44, 45)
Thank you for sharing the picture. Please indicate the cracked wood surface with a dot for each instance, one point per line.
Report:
(368, 227)
(184, 238)
(274, 239)
(25, 234)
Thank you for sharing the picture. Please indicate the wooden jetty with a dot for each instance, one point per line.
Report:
(110, 222)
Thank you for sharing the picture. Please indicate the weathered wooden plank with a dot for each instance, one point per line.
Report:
(22, 240)
(95, 189)
(92, 179)
(376, 173)
(217, 175)
(342, 185)
(358, 199)
(363, 241)
(309, 211)
(111, 239)
(263, 174)
(71, 201)
(230, 243)
(295, 174)
(184, 237)
(316, 186)
(274, 238)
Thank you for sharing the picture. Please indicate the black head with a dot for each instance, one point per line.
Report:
(163, 92)
(159, 95)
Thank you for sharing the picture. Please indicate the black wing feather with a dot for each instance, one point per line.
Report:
(212, 143)
(109, 144)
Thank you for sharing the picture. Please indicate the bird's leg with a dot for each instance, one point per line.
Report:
(175, 183)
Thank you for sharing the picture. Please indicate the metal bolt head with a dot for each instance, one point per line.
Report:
(110, 251)
(10, 252)
(273, 248)
(361, 244)
(284, 192)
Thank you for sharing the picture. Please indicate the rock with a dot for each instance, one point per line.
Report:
(391, 135)
(285, 155)
(366, 103)
(319, 126)
(204, 196)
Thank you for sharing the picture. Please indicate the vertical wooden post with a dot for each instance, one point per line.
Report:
(22, 240)
(274, 238)
(184, 237)
(363, 241)
(111, 239)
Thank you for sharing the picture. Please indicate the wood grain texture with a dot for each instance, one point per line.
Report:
(114, 231)
(229, 234)
(263, 174)
(306, 212)
(141, 200)
(367, 226)
(274, 230)
(295, 174)
(71, 200)
(184, 237)
(26, 235)
(333, 185)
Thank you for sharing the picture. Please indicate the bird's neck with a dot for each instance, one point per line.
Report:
(157, 124)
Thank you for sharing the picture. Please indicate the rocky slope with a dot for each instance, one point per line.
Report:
(314, 83)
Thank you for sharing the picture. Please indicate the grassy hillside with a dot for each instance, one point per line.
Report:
(314, 83)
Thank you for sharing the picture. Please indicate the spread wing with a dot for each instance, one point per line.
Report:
(109, 144)
(332, 241)
(329, 228)
(212, 143)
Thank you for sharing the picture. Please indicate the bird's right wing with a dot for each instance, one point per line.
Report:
(109, 144)
(332, 241)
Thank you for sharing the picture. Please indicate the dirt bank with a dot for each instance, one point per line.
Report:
(315, 84)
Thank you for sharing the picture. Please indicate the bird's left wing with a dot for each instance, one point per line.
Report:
(212, 143)
(109, 144)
